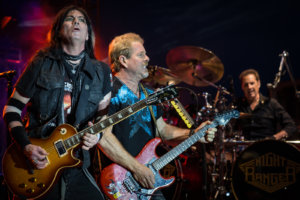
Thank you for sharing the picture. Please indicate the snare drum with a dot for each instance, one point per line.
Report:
(267, 170)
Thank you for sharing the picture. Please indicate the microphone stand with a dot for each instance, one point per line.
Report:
(278, 75)
(297, 93)
(283, 62)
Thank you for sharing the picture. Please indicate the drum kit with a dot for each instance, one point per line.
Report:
(230, 167)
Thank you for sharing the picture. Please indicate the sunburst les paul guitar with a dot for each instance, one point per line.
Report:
(23, 180)
(118, 183)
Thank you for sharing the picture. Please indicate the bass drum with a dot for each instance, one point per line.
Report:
(267, 170)
(187, 171)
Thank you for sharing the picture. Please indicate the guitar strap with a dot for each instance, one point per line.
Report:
(151, 111)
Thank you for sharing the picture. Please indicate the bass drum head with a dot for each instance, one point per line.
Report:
(267, 170)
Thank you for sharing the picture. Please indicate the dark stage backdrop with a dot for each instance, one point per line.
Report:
(243, 34)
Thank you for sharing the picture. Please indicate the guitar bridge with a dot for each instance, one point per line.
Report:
(130, 184)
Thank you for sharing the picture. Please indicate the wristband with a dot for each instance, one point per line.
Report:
(192, 131)
(20, 136)
(12, 116)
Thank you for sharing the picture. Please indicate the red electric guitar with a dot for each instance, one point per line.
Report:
(118, 183)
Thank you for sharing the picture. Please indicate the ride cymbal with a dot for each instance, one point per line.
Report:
(195, 65)
(161, 76)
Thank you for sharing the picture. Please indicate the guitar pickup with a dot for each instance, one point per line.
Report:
(60, 148)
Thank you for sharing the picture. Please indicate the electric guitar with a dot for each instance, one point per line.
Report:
(118, 183)
(26, 181)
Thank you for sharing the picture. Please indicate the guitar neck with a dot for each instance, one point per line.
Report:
(221, 119)
(111, 120)
(172, 154)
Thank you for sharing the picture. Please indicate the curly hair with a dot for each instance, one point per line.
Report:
(121, 45)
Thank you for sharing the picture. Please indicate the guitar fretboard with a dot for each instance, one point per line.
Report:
(172, 154)
(159, 96)
(111, 120)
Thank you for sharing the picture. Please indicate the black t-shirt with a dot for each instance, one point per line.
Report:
(135, 131)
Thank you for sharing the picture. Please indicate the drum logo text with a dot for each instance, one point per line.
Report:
(270, 172)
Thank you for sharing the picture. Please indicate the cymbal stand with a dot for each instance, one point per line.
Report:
(220, 168)
(222, 89)
(207, 111)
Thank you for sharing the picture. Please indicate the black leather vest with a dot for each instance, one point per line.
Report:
(47, 112)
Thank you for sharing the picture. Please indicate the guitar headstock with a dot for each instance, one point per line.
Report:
(164, 94)
(224, 118)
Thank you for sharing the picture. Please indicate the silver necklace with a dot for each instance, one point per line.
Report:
(74, 65)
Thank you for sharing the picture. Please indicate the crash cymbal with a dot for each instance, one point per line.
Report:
(195, 65)
(161, 76)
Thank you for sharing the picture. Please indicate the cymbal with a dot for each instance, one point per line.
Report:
(195, 65)
(161, 76)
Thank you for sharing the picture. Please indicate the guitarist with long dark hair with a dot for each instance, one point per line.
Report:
(128, 61)
(62, 84)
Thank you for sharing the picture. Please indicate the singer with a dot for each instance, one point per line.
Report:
(266, 114)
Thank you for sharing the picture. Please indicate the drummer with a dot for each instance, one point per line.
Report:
(266, 117)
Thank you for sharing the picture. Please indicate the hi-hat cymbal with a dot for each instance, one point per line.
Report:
(195, 65)
(161, 76)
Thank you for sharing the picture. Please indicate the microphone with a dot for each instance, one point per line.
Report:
(152, 67)
(7, 74)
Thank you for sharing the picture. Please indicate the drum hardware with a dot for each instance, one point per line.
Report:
(221, 172)
(207, 112)
(296, 142)
(206, 103)
(220, 101)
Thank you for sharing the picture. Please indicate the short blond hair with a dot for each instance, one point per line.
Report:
(121, 45)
